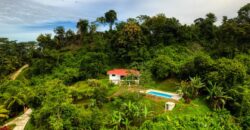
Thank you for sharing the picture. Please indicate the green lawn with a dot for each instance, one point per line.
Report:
(196, 107)
(170, 85)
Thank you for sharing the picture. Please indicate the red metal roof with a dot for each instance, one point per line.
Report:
(124, 72)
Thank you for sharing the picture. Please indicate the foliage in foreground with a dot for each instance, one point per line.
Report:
(220, 120)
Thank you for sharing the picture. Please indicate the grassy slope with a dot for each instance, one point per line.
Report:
(196, 107)
(166, 85)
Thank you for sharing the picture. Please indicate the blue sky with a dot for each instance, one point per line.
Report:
(24, 20)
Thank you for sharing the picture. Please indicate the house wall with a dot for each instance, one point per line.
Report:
(115, 79)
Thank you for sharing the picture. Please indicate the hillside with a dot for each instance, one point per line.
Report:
(67, 85)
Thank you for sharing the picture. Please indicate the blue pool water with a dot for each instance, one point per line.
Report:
(159, 94)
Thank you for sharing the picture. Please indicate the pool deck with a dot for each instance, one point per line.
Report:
(174, 95)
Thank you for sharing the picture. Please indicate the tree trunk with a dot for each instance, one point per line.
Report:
(110, 26)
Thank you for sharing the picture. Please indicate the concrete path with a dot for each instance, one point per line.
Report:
(21, 121)
(14, 75)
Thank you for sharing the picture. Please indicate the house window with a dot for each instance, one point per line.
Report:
(113, 75)
(122, 77)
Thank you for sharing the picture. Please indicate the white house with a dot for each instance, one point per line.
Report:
(129, 76)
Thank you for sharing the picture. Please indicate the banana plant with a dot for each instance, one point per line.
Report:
(126, 122)
(216, 96)
(18, 99)
(117, 119)
(3, 112)
(196, 84)
(145, 112)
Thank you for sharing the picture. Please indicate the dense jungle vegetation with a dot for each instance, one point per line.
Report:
(67, 87)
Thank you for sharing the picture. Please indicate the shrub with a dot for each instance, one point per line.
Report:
(213, 120)
(93, 65)
(244, 59)
(228, 72)
(162, 67)
(93, 83)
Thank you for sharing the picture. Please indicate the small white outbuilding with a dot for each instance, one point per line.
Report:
(169, 106)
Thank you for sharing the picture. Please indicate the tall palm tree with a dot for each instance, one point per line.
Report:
(111, 17)
(216, 96)
(92, 28)
(82, 26)
(69, 35)
(60, 36)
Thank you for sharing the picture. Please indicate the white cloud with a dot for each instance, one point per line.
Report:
(187, 10)
(24, 36)
(14, 14)
(67, 3)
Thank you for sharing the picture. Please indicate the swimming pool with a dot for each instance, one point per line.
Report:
(159, 94)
